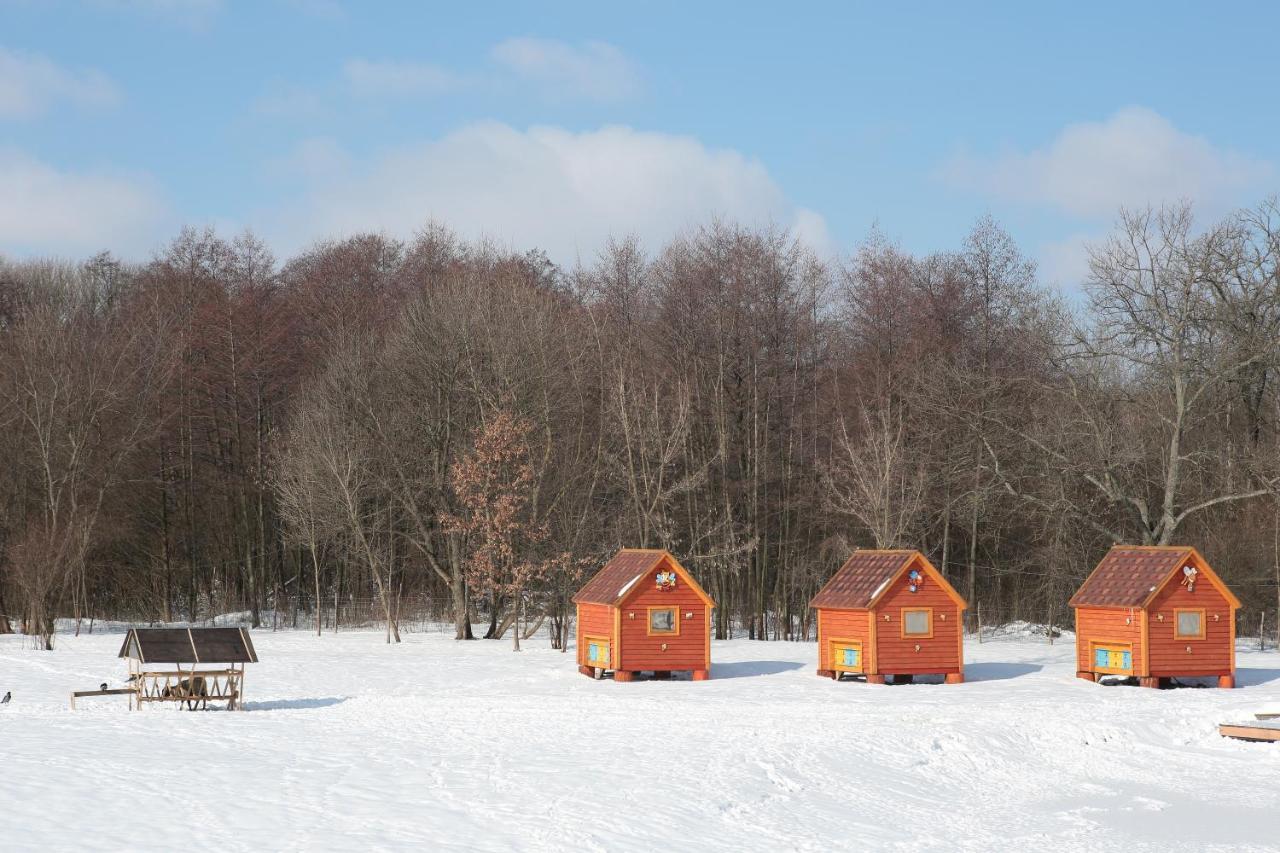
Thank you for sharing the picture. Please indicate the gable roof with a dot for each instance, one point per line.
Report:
(1132, 575)
(189, 645)
(618, 578)
(868, 574)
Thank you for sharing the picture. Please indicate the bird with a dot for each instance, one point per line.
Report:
(102, 686)
(7, 697)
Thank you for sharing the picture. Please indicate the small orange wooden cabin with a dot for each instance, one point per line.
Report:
(890, 613)
(643, 612)
(1155, 612)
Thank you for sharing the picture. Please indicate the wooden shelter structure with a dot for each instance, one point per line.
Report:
(890, 613)
(1155, 613)
(643, 612)
(194, 666)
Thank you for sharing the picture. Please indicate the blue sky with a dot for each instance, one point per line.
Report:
(558, 124)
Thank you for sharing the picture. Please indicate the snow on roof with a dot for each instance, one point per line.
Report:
(619, 575)
(628, 585)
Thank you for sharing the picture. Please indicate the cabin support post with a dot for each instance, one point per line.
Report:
(954, 678)
(827, 673)
(1087, 676)
(623, 675)
(588, 671)
(1149, 681)
(875, 678)
(1227, 681)
(701, 675)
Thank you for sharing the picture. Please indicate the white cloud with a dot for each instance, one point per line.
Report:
(1064, 263)
(561, 191)
(30, 84)
(44, 210)
(594, 70)
(400, 79)
(1136, 157)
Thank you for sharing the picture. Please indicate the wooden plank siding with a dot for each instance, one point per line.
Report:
(1212, 655)
(842, 625)
(1108, 625)
(897, 655)
(688, 649)
(595, 620)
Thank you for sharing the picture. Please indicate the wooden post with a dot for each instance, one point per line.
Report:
(623, 675)
(701, 675)
(955, 678)
(1087, 676)
(875, 679)
(1227, 681)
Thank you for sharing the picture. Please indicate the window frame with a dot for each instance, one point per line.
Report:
(908, 635)
(834, 645)
(1177, 623)
(675, 621)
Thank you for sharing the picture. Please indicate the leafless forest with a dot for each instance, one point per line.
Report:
(375, 429)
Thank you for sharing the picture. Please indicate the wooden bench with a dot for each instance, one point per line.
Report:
(1262, 730)
(119, 691)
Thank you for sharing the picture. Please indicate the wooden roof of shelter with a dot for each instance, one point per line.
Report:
(865, 576)
(189, 645)
(1131, 575)
(619, 577)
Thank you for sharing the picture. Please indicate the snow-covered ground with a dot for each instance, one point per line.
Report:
(435, 745)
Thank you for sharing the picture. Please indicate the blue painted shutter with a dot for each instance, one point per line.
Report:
(1100, 657)
(1125, 660)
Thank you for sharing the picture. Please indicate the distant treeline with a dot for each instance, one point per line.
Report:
(389, 422)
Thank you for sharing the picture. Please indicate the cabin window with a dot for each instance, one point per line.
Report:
(846, 656)
(1188, 624)
(917, 623)
(597, 652)
(662, 620)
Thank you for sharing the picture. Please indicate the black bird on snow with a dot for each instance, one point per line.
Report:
(102, 686)
(7, 697)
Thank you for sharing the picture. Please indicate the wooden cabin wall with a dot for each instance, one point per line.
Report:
(1210, 656)
(1098, 624)
(688, 650)
(595, 620)
(842, 625)
(941, 653)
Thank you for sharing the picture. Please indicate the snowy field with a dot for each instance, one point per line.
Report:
(435, 745)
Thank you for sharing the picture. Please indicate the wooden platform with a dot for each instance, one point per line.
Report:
(1259, 730)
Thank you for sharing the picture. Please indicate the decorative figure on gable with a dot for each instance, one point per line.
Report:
(666, 581)
(1189, 577)
(914, 580)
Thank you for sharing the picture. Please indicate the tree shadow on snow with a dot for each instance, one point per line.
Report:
(294, 704)
(752, 668)
(998, 671)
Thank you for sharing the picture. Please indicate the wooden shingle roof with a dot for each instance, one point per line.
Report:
(1131, 575)
(620, 576)
(189, 645)
(865, 576)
